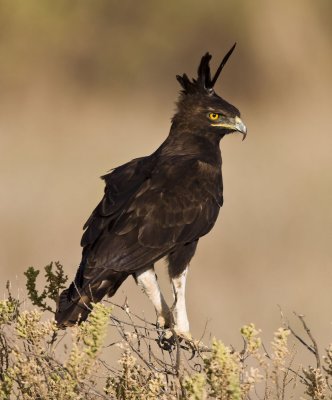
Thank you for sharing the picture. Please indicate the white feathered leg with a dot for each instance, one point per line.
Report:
(147, 280)
(180, 311)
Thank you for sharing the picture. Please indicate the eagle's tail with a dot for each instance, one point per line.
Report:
(75, 303)
(75, 307)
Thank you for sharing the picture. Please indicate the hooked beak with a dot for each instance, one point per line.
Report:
(235, 124)
(240, 127)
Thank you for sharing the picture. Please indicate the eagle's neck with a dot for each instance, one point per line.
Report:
(201, 145)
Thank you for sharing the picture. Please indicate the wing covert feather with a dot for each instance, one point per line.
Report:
(153, 211)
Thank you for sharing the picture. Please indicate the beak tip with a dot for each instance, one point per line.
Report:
(240, 127)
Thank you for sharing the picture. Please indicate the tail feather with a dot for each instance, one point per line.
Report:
(73, 309)
(74, 305)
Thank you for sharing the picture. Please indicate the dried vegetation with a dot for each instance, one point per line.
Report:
(38, 361)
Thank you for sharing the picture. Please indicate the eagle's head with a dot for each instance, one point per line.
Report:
(200, 109)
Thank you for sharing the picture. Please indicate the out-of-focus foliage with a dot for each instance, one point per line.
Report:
(86, 86)
(33, 366)
(29, 363)
(93, 45)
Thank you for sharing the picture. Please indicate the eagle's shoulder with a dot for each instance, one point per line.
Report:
(177, 204)
(120, 186)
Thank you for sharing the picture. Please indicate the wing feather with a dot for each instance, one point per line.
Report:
(148, 209)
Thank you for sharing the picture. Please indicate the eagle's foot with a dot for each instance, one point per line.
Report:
(166, 340)
(191, 344)
(169, 338)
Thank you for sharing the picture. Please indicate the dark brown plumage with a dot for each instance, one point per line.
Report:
(159, 205)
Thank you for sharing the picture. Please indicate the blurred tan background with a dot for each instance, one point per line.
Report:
(87, 86)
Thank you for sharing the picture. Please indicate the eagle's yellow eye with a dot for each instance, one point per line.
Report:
(213, 116)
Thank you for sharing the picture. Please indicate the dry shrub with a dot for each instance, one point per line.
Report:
(37, 361)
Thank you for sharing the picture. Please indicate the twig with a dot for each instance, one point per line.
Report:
(314, 343)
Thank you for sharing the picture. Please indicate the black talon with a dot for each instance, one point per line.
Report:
(164, 342)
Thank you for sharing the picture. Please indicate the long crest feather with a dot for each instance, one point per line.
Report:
(222, 64)
(203, 81)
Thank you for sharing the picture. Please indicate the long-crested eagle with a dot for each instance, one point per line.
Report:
(158, 206)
